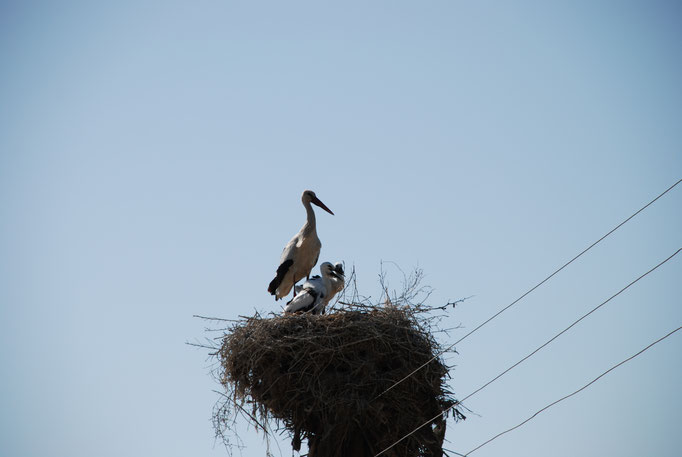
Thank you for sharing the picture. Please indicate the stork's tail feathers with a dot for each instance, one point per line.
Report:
(281, 271)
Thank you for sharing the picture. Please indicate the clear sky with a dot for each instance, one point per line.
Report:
(152, 157)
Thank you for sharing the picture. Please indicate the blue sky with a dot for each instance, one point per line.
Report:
(152, 157)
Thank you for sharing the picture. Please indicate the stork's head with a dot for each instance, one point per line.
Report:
(327, 269)
(310, 197)
(332, 271)
(338, 270)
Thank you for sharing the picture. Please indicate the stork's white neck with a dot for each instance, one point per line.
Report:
(310, 222)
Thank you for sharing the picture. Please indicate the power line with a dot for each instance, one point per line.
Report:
(532, 353)
(566, 329)
(530, 290)
(573, 393)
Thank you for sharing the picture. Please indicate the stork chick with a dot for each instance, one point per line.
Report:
(316, 293)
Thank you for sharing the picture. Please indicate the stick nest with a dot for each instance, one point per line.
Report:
(324, 378)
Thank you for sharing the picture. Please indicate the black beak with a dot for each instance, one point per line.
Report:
(337, 274)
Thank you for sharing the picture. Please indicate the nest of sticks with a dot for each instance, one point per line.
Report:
(330, 379)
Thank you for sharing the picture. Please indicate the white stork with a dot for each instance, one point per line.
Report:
(300, 254)
(338, 280)
(316, 293)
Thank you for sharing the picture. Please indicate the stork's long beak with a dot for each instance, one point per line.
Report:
(317, 202)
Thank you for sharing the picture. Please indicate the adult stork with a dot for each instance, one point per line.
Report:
(316, 292)
(301, 253)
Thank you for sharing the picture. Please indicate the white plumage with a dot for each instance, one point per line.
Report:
(301, 253)
(316, 293)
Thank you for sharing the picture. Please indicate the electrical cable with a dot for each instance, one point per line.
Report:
(535, 351)
(530, 290)
(571, 394)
